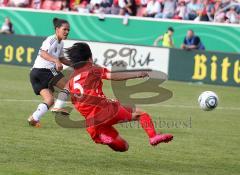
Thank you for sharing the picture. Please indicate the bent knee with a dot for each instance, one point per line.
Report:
(137, 114)
(123, 148)
(49, 101)
(119, 145)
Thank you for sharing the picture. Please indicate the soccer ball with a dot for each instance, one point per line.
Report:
(208, 100)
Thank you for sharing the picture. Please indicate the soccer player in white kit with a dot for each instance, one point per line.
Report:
(46, 73)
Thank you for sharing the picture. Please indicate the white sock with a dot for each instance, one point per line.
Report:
(61, 100)
(41, 110)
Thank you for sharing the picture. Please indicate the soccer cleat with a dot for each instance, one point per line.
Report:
(33, 122)
(60, 110)
(159, 138)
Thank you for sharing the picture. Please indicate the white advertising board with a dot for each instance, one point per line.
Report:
(132, 56)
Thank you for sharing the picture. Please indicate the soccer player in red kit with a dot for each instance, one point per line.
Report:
(100, 112)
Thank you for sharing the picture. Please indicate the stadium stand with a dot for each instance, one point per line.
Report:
(224, 11)
(52, 5)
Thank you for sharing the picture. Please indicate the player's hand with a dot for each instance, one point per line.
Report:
(59, 65)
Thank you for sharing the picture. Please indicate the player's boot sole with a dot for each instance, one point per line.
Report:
(161, 138)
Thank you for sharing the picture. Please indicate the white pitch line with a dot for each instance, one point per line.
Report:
(160, 105)
(191, 107)
(19, 100)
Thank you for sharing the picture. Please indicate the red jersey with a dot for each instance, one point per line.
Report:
(85, 88)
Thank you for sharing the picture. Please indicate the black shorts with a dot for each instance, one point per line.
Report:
(44, 79)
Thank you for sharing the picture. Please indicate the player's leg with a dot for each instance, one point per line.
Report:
(62, 96)
(108, 135)
(119, 144)
(148, 126)
(40, 79)
(42, 108)
(126, 114)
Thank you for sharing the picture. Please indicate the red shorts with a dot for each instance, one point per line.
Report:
(124, 115)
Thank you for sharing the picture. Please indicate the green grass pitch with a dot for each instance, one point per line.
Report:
(209, 145)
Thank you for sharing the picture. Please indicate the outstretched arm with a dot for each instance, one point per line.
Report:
(65, 61)
(157, 40)
(118, 76)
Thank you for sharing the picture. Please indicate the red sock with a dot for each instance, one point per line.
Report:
(147, 125)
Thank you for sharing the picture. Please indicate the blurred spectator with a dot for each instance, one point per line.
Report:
(168, 9)
(36, 4)
(95, 6)
(7, 27)
(127, 7)
(144, 3)
(115, 10)
(238, 8)
(96, 9)
(100, 6)
(3, 3)
(83, 7)
(73, 4)
(105, 6)
(18, 3)
(65, 5)
(142, 6)
(153, 8)
(225, 3)
(197, 10)
(193, 8)
(55, 5)
(181, 10)
(227, 11)
(191, 41)
(202, 13)
(94, 2)
(219, 15)
(211, 10)
(232, 16)
(166, 38)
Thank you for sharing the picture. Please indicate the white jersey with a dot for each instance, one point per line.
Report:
(54, 48)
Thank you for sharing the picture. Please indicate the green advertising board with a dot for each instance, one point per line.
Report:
(207, 67)
(19, 50)
(139, 31)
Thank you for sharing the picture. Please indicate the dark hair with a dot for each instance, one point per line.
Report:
(59, 22)
(79, 54)
(171, 29)
(191, 30)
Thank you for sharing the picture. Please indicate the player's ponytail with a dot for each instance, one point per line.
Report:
(59, 22)
(55, 21)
